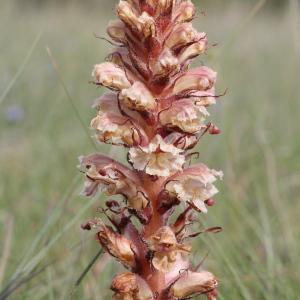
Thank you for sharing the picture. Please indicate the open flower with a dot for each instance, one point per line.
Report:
(158, 158)
(111, 126)
(167, 251)
(193, 284)
(194, 185)
(106, 175)
(129, 286)
(185, 115)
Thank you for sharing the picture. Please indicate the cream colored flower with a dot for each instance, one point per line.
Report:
(182, 35)
(129, 286)
(138, 97)
(161, 6)
(144, 23)
(193, 284)
(198, 79)
(185, 12)
(194, 185)
(112, 127)
(167, 251)
(111, 76)
(166, 64)
(193, 50)
(158, 158)
(185, 115)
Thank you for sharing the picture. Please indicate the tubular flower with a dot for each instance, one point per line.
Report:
(193, 284)
(111, 126)
(194, 185)
(138, 97)
(185, 115)
(158, 158)
(157, 110)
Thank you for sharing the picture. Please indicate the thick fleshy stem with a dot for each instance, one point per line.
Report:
(157, 109)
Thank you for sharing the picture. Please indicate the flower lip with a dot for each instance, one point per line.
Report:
(194, 186)
(158, 158)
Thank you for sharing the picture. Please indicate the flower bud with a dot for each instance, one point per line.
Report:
(158, 158)
(118, 246)
(138, 97)
(167, 251)
(194, 185)
(199, 79)
(182, 35)
(193, 284)
(116, 30)
(129, 286)
(111, 76)
(185, 115)
(185, 12)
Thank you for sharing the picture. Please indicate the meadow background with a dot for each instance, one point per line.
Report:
(44, 119)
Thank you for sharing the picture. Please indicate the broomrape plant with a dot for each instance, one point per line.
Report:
(156, 108)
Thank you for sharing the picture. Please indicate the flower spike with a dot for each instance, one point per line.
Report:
(157, 109)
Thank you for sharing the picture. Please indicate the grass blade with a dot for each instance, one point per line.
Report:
(22, 67)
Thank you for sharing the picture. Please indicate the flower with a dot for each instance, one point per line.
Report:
(106, 175)
(138, 97)
(193, 284)
(194, 185)
(111, 76)
(183, 34)
(193, 50)
(165, 65)
(198, 79)
(111, 126)
(162, 6)
(185, 12)
(167, 251)
(158, 158)
(116, 30)
(129, 286)
(143, 24)
(117, 245)
(185, 115)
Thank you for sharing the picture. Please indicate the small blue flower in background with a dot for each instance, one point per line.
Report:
(14, 113)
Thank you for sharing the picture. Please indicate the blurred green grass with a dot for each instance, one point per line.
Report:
(257, 255)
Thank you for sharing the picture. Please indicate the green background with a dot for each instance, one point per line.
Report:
(42, 249)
